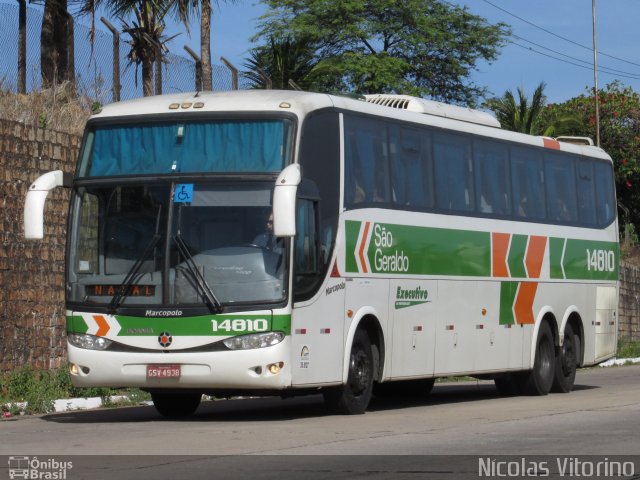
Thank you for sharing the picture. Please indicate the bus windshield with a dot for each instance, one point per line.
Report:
(212, 146)
(179, 244)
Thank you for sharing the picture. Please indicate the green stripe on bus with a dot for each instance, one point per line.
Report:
(508, 292)
(517, 251)
(556, 245)
(76, 324)
(205, 325)
(591, 260)
(402, 249)
(352, 231)
(410, 250)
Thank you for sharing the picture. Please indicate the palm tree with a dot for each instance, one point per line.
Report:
(22, 46)
(147, 42)
(186, 9)
(522, 116)
(54, 46)
(280, 61)
(529, 117)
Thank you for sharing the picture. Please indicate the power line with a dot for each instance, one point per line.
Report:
(569, 62)
(560, 36)
(604, 69)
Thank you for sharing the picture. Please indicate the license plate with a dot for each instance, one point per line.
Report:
(163, 371)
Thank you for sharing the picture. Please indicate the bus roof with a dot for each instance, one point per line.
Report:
(449, 117)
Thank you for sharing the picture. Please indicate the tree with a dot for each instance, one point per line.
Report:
(22, 46)
(620, 137)
(54, 47)
(525, 116)
(522, 116)
(147, 42)
(418, 47)
(282, 60)
(186, 9)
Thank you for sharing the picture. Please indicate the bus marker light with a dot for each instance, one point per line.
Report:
(479, 327)
(198, 105)
(274, 368)
(417, 328)
(186, 105)
(350, 313)
(301, 331)
(484, 312)
(325, 330)
(449, 327)
(174, 106)
(285, 105)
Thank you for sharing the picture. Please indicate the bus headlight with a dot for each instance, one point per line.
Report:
(90, 342)
(254, 340)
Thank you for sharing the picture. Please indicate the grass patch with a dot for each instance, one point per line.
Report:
(58, 108)
(628, 349)
(38, 390)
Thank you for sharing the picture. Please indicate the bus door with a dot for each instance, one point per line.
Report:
(412, 308)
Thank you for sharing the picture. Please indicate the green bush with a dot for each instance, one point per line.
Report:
(40, 388)
(628, 349)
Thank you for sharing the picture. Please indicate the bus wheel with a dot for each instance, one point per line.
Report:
(174, 405)
(539, 380)
(353, 398)
(566, 363)
(507, 384)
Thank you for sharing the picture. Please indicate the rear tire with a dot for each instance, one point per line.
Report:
(566, 363)
(176, 405)
(539, 380)
(353, 398)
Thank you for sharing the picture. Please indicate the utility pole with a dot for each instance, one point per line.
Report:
(595, 72)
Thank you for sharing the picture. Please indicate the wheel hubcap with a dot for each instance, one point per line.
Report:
(359, 372)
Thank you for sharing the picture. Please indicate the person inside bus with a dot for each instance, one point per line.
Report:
(267, 239)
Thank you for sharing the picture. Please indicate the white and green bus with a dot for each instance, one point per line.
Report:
(284, 243)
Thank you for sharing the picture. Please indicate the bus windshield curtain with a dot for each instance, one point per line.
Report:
(242, 146)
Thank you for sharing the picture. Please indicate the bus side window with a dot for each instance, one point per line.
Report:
(605, 204)
(586, 193)
(491, 168)
(562, 203)
(453, 179)
(411, 172)
(527, 183)
(305, 244)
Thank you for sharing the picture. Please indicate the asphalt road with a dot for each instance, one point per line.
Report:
(601, 417)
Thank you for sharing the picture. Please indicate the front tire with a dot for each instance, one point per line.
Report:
(176, 405)
(539, 380)
(566, 363)
(353, 398)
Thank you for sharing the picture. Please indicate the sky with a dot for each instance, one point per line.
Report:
(552, 42)
(525, 64)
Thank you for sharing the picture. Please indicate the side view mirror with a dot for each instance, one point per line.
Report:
(34, 202)
(284, 201)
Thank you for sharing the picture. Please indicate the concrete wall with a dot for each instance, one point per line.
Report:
(32, 272)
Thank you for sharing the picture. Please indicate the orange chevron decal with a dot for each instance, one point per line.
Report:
(499, 249)
(523, 306)
(535, 255)
(365, 235)
(103, 326)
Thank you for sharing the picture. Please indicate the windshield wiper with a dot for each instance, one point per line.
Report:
(210, 299)
(129, 279)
